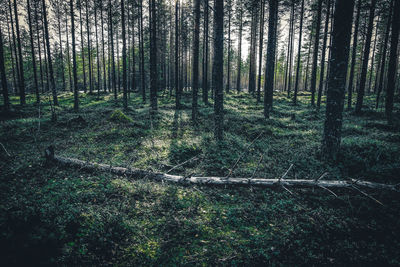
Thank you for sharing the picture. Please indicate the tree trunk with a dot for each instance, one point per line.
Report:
(228, 66)
(124, 76)
(153, 56)
(206, 54)
(114, 85)
(392, 69)
(196, 37)
(143, 81)
(177, 89)
(6, 104)
(89, 49)
(61, 50)
(315, 54)
(74, 68)
(271, 48)
(33, 53)
(292, 33)
(218, 69)
(260, 55)
(296, 85)
(383, 55)
(82, 46)
(239, 63)
(322, 72)
(367, 48)
(68, 53)
(50, 63)
(103, 48)
(21, 62)
(337, 77)
(97, 51)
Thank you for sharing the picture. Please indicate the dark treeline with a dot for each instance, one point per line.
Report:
(335, 51)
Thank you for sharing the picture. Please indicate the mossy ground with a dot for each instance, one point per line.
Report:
(51, 215)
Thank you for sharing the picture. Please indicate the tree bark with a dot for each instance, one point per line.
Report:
(239, 63)
(74, 68)
(296, 85)
(153, 56)
(82, 47)
(6, 104)
(124, 75)
(21, 62)
(33, 53)
(337, 78)
(261, 43)
(195, 74)
(315, 54)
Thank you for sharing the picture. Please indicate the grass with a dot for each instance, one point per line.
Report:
(64, 216)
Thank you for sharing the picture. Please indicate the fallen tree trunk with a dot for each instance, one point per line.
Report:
(137, 173)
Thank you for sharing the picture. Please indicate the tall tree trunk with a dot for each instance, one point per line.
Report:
(383, 55)
(17, 67)
(337, 78)
(97, 51)
(177, 89)
(308, 62)
(322, 72)
(61, 50)
(21, 62)
(74, 68)
(239, 63)
(228, 66)
(206, 54)
(260, 51)
(114, 85)
(253, 45)
(89, 49)
(367, 48)
(6, 105)
(296, 85)
(353, 56)
(82, 47)
(50, 63)
(124, 76)
(373, 56)
(218, 69)
(392, 69)
(12, 56)
(103, 48)
(33, 53)
(142, 73)
(315, 54)
(153, 56)
(289, 88)
(271, 51)
(68, 53)
(38, 44)
(196, 41)
(133, 77)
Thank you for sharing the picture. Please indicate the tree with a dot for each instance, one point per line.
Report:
(239, 63)
(271, 50)
(124, 75)
(296, 85)
(6, 105)
(153, 56)
(21, 62)
(82, 46)
(322, 72)
(353, 56)
(89, 49)
(195, 74)
(218, 69)
(392, 63)
(337, 77)
(177, 89)
(260, 55)
(33, 52)
(206, 56)
(49, 60)
(367, 48)
(315, 54)
(74, 68)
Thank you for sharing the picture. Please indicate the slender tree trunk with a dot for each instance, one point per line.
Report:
(271, 51)
(97, 51)
(114, 85)
(196, 41)
(12, 56)
(124, 75)
(260, 55)
(315, 54)
(103, 48)
(206, 54)
(17, 66)
(89, 49)
(21, 62)
(253, 45)
(353, 56)
(341, 36)
(74, 68)
(82, 47)
(228, 78)
(383, 55)
(364, 70)
(61, 50)
(68, 53)
(289, 89)
(322, 72)
(392, 69)
(33, 53)
(308, 62)
(50, 63)
(6, 105)
(38, 44)
(153, 56)
(143, 81)
(218, 69)
(373, 56)
(239, 64)
(296, 85)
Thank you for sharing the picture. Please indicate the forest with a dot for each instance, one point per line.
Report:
(199, 132)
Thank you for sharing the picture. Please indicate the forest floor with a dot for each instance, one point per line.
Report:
(52, 215)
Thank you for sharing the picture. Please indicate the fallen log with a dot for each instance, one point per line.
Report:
(260, 182)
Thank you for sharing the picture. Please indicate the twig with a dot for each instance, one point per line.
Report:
(286, 173)
(181, 164)
(365, 194)
(258, 164)
(330, 191)
(8, 154)
(322, 176)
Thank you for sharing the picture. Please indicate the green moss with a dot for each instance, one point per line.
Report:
(118, 116)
